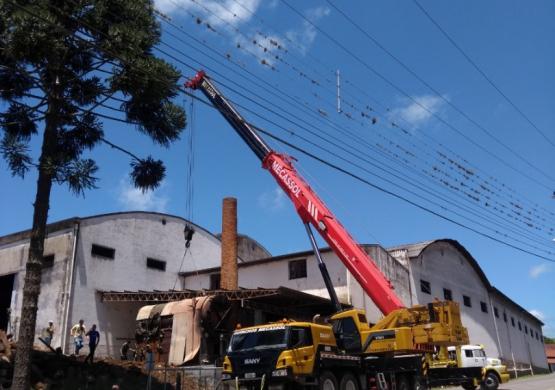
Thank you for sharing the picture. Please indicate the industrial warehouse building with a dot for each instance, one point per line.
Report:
(83, 256)
(420, 273)
(87, 259)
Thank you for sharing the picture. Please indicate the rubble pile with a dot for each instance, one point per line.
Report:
(52, 372)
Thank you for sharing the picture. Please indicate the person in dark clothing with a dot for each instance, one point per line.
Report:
(94, 339)
(124, 350)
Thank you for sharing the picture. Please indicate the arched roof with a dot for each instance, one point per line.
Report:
(69, 222)
(416, 249)
(149, 213)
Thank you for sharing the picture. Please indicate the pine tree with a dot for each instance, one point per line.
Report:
(60, 61)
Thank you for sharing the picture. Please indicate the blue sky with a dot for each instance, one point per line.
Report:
(511, 42)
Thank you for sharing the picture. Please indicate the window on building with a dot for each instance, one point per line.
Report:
(504, 316)
(103, 251)
(537, 336)
(47, 261)
(513, 321)
(425, 287)
(484, 307)
(160, 265)
(447, 294)
(531, 333)
(466, 301)
(297, 269)
(495, 312)
(525, 329)
(215, 281)
(519, 326)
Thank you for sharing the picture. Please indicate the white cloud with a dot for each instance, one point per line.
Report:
(418, 111)
(132, 198)
(272, 200)
(538, 270)
(538, 314)
(216, 12)
(305, 35)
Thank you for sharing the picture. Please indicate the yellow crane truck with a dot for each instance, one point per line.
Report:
(345, 352)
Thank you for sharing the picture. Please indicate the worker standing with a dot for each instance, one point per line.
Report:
(78, 333)
(94, 339)
(48, 333)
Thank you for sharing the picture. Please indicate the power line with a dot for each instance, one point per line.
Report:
(296, 107)
(409, 201)
(432, 113)
(484, 75)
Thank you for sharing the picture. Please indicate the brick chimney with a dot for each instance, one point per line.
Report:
(229, 277)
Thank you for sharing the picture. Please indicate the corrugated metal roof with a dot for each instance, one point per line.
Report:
(414, 249)
(280, 295)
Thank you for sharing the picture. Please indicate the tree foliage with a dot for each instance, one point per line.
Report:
(80, 53)
(60, 61)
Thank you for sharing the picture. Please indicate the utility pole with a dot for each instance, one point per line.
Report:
(338, 92)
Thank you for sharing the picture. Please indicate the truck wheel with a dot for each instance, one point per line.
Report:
(349, 382)
(328, 381)
(491, 382)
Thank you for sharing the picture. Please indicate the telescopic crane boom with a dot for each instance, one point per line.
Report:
(309, 206)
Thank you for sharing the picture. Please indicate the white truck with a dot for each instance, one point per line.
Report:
(493, 372)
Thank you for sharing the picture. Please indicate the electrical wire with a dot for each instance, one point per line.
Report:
(120, 59)
(482, 73)
(432, 113)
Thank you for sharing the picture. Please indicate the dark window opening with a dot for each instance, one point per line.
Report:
(362, 318)
(425, 287)
(300, 337)
(468, 353)
(505, 317)
(6, 290)
(215, 280)
(155, 264)
(103, 251)
(447, 294)
(537, 336)
(513, 321)
(525, 329)
(496, 312)
(47, 261)
(466, 300)
(484, 307)
(519, 326)
(297, 269)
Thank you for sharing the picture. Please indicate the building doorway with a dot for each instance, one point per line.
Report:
(6, 288)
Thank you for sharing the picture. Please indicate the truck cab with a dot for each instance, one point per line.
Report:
(275, 355)
(493, 372)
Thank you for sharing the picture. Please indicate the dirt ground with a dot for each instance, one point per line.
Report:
(50, 371)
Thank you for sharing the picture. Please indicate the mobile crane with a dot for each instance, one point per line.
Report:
(344, 352)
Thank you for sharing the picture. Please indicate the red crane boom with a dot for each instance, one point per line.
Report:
(309, 206)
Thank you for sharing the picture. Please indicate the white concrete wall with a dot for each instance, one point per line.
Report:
(517, 344)
(444, 266)
(134, 236)
(274, 274)
(52, 299)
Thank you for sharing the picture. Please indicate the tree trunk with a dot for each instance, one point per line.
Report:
(33, 267)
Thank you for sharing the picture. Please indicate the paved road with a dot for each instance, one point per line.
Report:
(537, 382)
